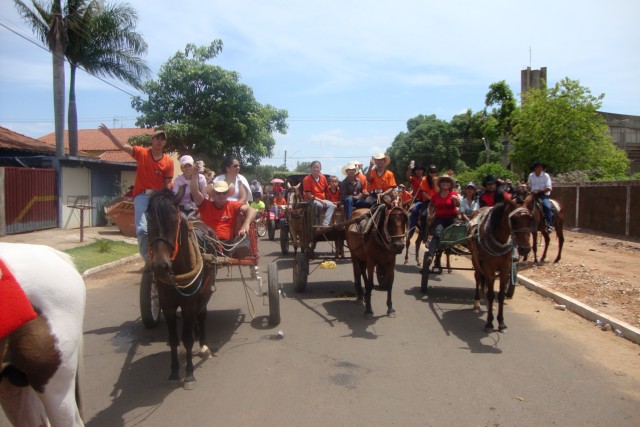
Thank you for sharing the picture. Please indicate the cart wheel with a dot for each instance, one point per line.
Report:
(274, 294)
(513, 280)
(261, 228)
(149, 301)
(284, 239)
(300, 272)
(271, 228)
(424, 281)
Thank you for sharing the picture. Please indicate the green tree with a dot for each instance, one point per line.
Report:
(303, 167)
(206, 111)
(48, 24)
(560, 127)
(97, 37)
(478, 174)
(428, 140)
(497, 122)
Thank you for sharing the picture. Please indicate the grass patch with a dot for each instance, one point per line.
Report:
(102, 251)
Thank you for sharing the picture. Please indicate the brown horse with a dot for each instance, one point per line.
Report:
(540, 225)
(182, 279)
(419, 240)
(491, 237)
(374, 240)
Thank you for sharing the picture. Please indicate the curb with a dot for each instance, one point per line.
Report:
(109, 265)
(629, 332)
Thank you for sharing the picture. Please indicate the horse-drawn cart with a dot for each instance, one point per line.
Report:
(454, 242)
(213, 260)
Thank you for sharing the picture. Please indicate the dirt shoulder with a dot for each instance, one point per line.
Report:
(600, 271)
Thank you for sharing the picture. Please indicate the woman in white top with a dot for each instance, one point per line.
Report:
(237, 182)
(186, 204)
(469, 205)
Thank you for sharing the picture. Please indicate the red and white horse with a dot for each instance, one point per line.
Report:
(41, 358)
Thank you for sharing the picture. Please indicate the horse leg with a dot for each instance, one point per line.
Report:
(406, 253)
(504, 282)
(489, 281)
(476, 302)
(534, 238)
(560, 235)
(389, 277)
(545, 235)
(357, 276)
(187, 340)
(368, 288)
(172, 325)
(418, 243)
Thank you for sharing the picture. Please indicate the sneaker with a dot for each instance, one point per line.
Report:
(550, 229)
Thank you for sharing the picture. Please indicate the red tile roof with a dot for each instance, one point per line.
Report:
(116, 156)
(94, 140)
(11, 140)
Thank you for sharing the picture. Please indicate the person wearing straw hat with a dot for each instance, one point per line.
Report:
(380, 181)
(222, 215)
(539, 183)
(352, 194)
(361, 176)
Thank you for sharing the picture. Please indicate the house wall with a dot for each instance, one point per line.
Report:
(75, 182)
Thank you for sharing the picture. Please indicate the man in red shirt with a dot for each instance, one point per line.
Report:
(222, 215)
(154, 172)
(315, 188)
(492, 193)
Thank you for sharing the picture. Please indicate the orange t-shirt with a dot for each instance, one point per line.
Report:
(280, 201)
(362, 177)
(151, 174)
(384, 182)
(333, 197)
(317, 189)
(424, 186)
(223, 221)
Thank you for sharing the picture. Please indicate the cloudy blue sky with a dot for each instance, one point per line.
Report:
(350, 73)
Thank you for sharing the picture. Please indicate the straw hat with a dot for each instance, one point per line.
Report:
(446, 178)
(218, 187)
(350, 165)
(381, 156)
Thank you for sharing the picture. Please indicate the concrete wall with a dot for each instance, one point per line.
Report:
(606, 207)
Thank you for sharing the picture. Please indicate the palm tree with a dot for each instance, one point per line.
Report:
(102, 40)
(97, 37)
(49, 26)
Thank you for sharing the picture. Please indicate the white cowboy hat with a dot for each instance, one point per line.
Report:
(350, 165)
(219, 187)
(381, 156)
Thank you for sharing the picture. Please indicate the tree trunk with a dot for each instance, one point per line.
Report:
(57, 52)
(73, 113)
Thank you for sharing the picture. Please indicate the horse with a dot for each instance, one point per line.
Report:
(295, 212)
(419, 240)
(42, 359)
(374, 239)
(491, 237)
(183, 281)
(540, 225)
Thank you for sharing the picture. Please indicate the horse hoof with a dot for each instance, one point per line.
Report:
(189, 385)
(488, 328)
(205, 353)
(502, 328)
(391, 314)
(419, 264)
(368, 315)
(406, 262)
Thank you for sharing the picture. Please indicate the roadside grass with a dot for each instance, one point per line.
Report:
(100, 252)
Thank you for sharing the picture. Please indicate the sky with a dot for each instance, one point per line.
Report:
(350, 73)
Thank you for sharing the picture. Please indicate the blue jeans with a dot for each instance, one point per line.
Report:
(141, 203)
(350, 203)
(328, 213)
(546, 205)
(419, 208)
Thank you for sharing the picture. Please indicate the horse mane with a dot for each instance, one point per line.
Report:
(497, 213)
(162, 206)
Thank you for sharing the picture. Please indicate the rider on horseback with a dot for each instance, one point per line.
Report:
(539, 184)
(492, 194)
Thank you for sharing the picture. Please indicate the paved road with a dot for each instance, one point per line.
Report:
(431, 365)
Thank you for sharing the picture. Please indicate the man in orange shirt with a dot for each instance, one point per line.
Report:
(381, 182)
(154, 172)
(315, 187)
(222, 215)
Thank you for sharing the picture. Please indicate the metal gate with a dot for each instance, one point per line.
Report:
(31, 199)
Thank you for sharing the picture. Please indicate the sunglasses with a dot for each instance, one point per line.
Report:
(433, 171)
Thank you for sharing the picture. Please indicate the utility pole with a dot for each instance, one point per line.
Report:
(486, 148)
(285, 159)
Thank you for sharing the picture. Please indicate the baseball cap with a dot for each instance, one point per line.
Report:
(186, 160)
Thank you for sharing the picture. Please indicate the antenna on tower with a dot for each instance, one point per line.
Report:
(529, 56)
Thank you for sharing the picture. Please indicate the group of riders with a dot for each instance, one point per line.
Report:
(433, 202)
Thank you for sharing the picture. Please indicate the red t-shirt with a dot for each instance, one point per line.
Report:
(223, 221)
(444, 207)
(333, 197)
(151, 174)
(383, 182)
(488, 198)
(318, 189)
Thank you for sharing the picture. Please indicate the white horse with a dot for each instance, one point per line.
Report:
(47, 353)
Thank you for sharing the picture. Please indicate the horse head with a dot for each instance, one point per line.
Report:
(522, 223)
(395, 228)
(163, 225)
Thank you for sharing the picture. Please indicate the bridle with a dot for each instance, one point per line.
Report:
(172, 244)
(384, 237)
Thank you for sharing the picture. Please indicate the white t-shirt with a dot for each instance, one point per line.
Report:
(240, 180)
(539, 182)
(186, 199)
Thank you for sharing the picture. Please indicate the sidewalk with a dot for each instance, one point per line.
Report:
(67, 239)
